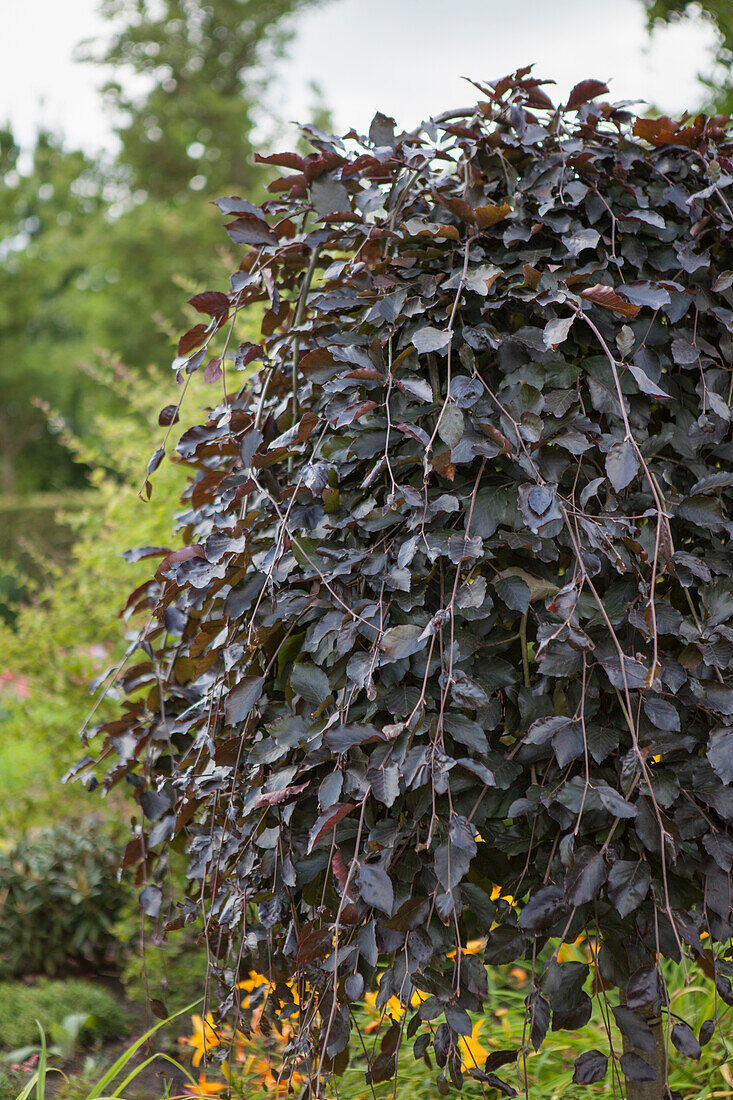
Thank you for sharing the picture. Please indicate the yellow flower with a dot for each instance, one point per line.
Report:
(204, 1088)
(473, 1054)
(205, 1037)
(394, 1007)
(255, 981)
(497, 892)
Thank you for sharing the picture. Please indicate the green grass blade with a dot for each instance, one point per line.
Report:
(41, 1079)
(120, 1090)
(28, 1087)
(117, 1067)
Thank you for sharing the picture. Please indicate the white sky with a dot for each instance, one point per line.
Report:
(404, 57)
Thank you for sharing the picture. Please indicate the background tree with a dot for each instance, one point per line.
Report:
(77, 233)
(204, 67)
(720, 14)
(46, 213)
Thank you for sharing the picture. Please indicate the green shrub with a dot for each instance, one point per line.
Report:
(59, 897)
(69, 632)
(49, 1003)
(80, 1088)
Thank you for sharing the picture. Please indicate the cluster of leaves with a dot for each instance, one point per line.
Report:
(58, 899)
(454, 606)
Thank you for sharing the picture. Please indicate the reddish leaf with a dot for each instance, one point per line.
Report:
(489, 215)
(210, 301)
(274, 798)
(282, 160)
(607, 297)
(213, 371)
(249, 229)
(168, 415)
(341, 873)
(192, 339)
(313, 943)
(584, 92)
(327, 821)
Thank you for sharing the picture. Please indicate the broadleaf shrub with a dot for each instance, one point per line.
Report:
(445, 654)
(59, 899)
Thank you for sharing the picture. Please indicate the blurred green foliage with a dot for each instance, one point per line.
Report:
(92, 249)
(59, 896)
(70, 631)
(200, 73)
(49, 1003)
(719, 13)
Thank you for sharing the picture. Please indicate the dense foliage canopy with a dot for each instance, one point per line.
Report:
(445, 652)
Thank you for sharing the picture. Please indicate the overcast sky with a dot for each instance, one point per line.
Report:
(404, 57)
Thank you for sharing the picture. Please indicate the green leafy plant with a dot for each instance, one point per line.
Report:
(66, 1037)
(445, 654)
(59, 896)
(10, 1084)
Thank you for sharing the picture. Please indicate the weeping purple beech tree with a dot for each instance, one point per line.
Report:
(452, 604)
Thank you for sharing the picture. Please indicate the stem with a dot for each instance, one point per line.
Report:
(525, 653)
(299, 311)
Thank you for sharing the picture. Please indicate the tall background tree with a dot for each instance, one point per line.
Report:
(203, 70)
(719, 83)
(77, 232)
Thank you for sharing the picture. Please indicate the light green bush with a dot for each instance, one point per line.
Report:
(71, 631)
(49, 1002)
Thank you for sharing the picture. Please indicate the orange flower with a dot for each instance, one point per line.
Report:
(261, 1068)
(204, 1088)
(205, 1037)
(473, 947)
